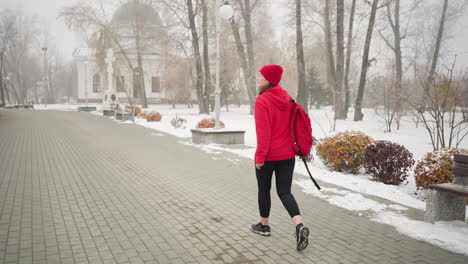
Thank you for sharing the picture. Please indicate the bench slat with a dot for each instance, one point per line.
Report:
(460, 171)
(461, 158)
(457, 189)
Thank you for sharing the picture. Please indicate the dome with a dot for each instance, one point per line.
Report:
(128, 11)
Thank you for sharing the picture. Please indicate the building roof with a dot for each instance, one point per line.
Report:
(127, 12)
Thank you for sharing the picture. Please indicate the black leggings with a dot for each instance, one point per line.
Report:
(283, 172)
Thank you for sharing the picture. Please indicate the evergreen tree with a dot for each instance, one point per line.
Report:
(318, 94)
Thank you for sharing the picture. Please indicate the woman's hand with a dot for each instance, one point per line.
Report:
(259, 165)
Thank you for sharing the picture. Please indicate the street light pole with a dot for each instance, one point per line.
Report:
(45, 77)
(218, 71)
(226, 13)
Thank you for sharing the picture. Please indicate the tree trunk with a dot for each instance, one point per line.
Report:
(348, 59)
(198, 63)
(1, 81)
(2, 53)
(244, 65)
(206, 57)
(142, 80)
(36, 99)
(250, 53)
(51, 99)
(140, 63)
(339, 107)
(435, 57)
(19, 87)
(7, 94)
(398, 63)
(301, 89)
(358, 115)
(330, 57)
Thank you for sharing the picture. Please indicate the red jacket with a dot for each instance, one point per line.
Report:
(273, 125)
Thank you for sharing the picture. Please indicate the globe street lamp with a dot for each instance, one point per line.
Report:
(225, 12)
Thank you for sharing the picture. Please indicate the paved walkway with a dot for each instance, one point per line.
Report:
(77, 188)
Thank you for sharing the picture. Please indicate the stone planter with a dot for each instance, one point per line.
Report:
(86, 108)
(220, 136)
(124, 116)
(108, 113)
(446, 202)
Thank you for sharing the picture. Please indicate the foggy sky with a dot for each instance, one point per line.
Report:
(66, 40)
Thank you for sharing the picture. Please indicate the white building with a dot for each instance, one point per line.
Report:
(92, 67)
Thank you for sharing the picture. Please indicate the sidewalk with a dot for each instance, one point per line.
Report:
(77, 188)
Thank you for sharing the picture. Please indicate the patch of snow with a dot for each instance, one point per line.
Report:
(452, 236)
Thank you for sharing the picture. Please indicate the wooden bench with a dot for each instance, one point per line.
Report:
(446, 202)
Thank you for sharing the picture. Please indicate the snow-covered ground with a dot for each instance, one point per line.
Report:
(449, 235)
(61, 107)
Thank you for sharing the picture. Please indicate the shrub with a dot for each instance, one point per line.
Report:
(153, 117)
(178, 122)
(209, 123)
(435, 167)
(138, 111)
(388, 162)
(345, 151)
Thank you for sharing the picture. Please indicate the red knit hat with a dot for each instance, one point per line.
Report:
(272, 73)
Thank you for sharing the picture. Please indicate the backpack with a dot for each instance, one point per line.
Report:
(301, 140)
(301, 130)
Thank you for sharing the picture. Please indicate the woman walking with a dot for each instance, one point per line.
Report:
(274, 151)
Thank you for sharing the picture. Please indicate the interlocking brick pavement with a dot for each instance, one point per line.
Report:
(78, 188)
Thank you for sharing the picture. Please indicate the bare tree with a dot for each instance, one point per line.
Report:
(246, 59)
(358, 115)
(138, 31)
(442, 120)
(86, 18)
(146, 33)
(198, 62)
(206, 58)
(393, 19)
(348, 58)
(331, 73)
(395, 25)
(339, 107)
(435, 57)
(20, 59)
(7, 31)
(302, 92)
(243, 61)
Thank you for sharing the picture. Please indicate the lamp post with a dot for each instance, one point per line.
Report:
(86, 81)
(225, 12)
(45, 76)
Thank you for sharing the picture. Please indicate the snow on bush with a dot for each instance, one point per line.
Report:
(209, 123)
(153, 117)
(435, 167)
(345, 151)
(137, 111)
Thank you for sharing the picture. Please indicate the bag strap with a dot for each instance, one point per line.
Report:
(307, 167)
